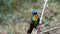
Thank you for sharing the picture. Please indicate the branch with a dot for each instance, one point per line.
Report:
(43, 11)
(50, 29)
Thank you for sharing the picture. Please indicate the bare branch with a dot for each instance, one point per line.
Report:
(50, 29)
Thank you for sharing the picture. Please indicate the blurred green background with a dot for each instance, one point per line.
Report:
(15, 15)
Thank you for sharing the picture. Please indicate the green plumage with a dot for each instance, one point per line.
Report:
(35, 22)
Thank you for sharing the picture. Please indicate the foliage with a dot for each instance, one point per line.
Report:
(14, 11)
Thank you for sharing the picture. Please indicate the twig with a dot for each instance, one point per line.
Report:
(43, 11)
(50, 30)
(42, 14)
